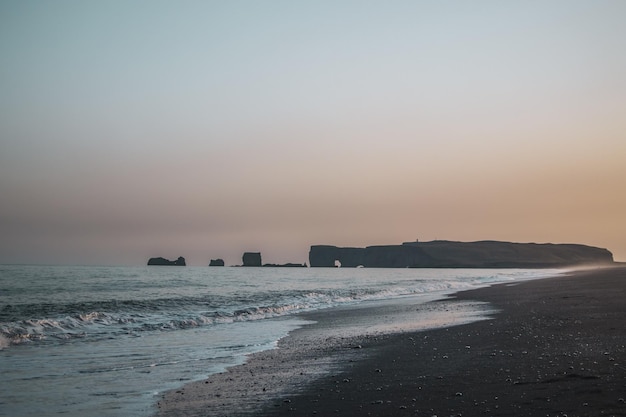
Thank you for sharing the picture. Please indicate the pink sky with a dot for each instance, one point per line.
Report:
(205, 129)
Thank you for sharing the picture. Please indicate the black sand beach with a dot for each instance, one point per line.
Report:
(555, 347)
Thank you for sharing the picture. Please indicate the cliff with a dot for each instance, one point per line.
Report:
(447, 254)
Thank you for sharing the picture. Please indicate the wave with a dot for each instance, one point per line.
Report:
(111, 318)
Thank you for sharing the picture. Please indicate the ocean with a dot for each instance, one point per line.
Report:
(106, 341)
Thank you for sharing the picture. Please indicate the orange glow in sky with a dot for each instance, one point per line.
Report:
(205, 129)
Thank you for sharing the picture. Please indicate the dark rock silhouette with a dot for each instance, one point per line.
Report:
(447, 254)
(165, 262)
(287, 265)
(216, 262)
(251, 259)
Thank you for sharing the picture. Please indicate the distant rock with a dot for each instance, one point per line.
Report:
(166, 262)
(448, 254)
(287, 265)
(216, 262)
(251, 259)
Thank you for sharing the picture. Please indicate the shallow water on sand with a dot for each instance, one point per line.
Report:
(104, 341)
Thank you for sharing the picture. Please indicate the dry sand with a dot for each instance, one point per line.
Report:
(556, 347)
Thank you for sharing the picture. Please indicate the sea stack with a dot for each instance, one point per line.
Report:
(216, 262)
(251, 259)
(166, 262)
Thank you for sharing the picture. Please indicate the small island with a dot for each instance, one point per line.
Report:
(166, 262)
(216, 262)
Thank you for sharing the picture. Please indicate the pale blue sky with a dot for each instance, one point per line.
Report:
(131, 129)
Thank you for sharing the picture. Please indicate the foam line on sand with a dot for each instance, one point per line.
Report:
(554, 346)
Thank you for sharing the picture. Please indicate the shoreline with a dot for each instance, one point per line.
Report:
(556, 345)
(332, 338)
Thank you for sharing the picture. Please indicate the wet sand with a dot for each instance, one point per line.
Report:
(555, 347)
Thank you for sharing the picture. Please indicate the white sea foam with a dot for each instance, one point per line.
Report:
(156, 326)
(4, 342)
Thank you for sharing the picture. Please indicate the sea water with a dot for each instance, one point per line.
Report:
(105, 341)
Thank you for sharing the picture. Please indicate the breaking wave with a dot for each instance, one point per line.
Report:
(66, 321)
(110, 318)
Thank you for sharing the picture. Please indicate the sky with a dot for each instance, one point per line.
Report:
(203, 129)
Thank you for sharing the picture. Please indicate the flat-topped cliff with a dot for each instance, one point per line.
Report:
(448, 254)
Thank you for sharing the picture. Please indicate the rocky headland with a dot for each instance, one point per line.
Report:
(449, 254)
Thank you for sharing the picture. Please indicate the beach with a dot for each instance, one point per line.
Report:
(553, 346)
